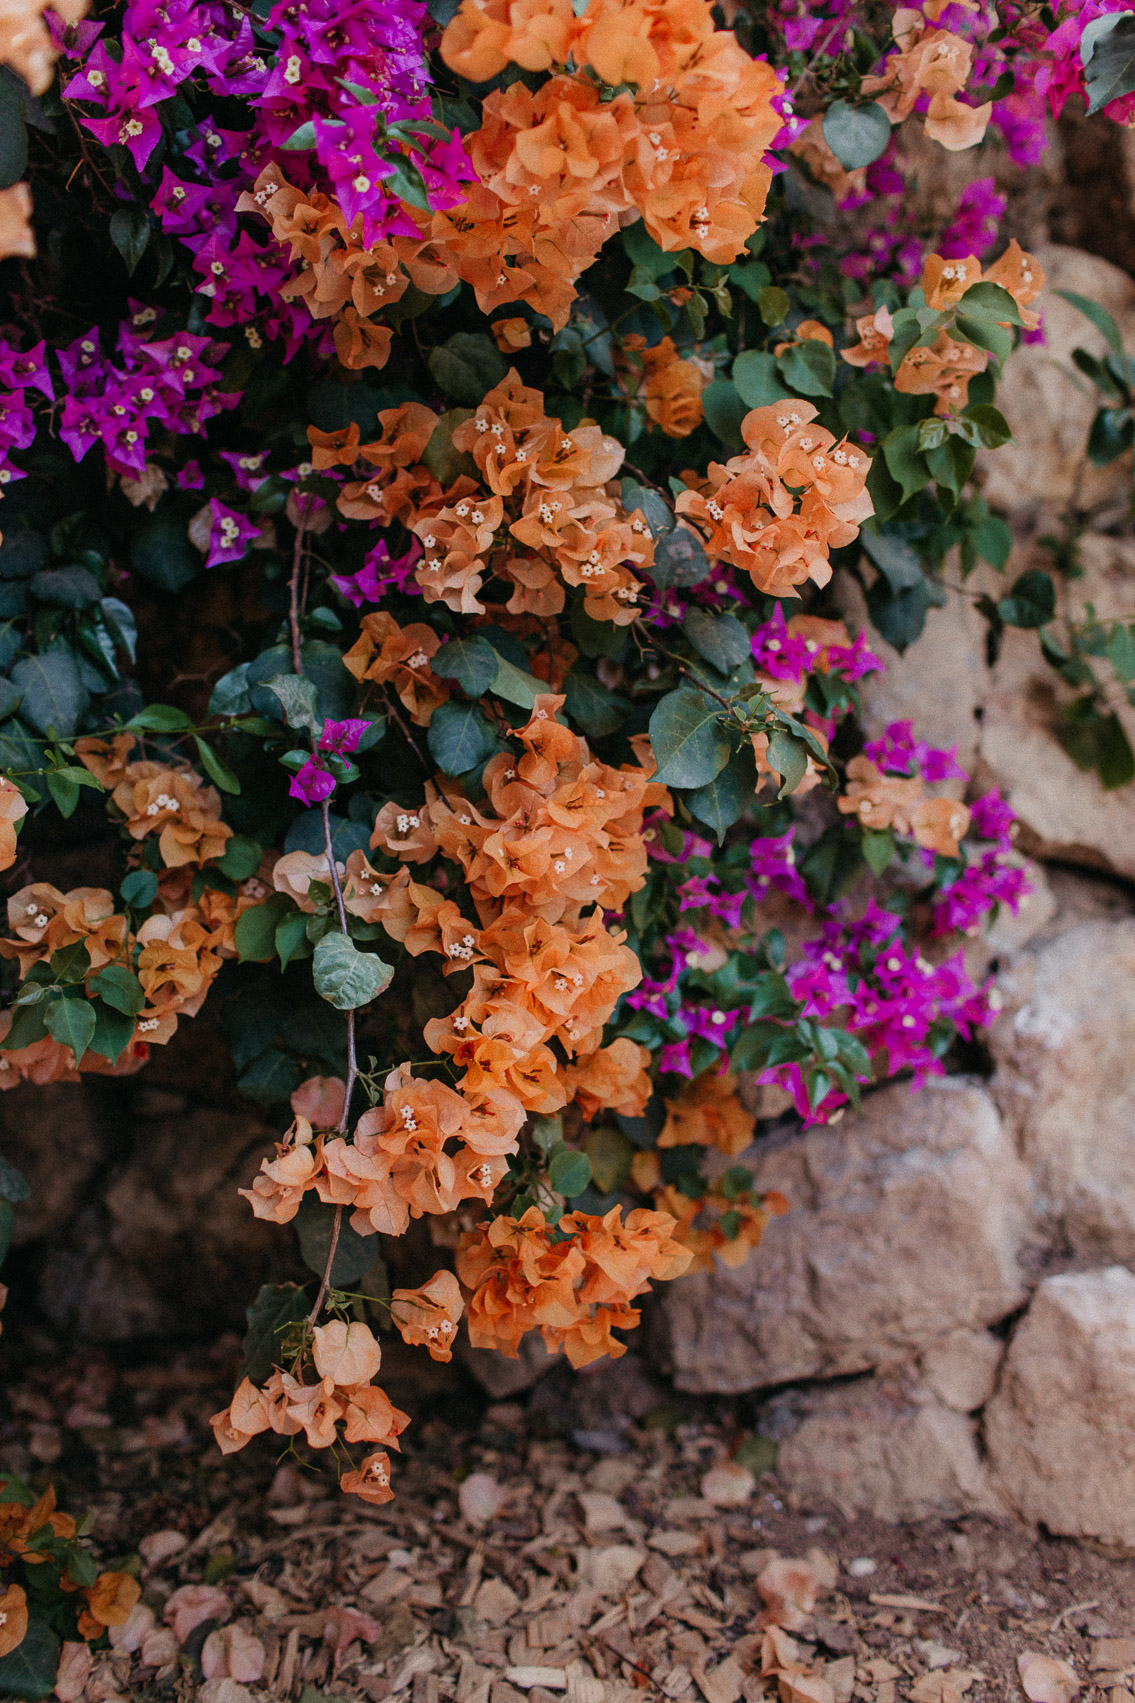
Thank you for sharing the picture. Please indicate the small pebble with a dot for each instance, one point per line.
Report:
(861, 1567)
(480, 1498)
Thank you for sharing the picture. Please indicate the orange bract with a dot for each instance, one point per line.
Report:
(706, 1111)
(748, 515)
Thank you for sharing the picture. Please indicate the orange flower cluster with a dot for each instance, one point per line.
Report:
(671, 385)
(545, 513)
(345, 1359)
(729, 1225)
(107, 1602)
(684, 149)
(707, 1113)
(574, 1291)
(881, 801)
(559, 836)
(944, 369)
(560, 169)
(748, 515)
(936, 63)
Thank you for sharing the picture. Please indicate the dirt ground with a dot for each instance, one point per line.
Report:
(584, 1564)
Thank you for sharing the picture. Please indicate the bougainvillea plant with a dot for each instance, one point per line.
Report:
(494, 378)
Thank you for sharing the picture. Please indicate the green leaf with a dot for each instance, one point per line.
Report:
(991, 427)
(516, 686)
(1098, 315)
(27, 1027)
(71, 1022)
(756, 378)
(214, 766)
(230, 694)
(130, 234)
(291, 938)
(14, 1185)
(986, 334)
(901, 616)
(301, 139)
(28, 1672)
(878, 849)
(466, 365)
(160, 718)
(721, 639)
(472, 662)
(1112, 431)
(459, 738)
(856, 135)
(120, 988)
(724, 411)
(66, 588)
(569, 1172)
(54, 694)
(729, 794)
(1121, 651)
(905, 461)
(353, 1253)
(690, 744)
(680, 558)
(276, 1306)
(269, 1077)
(773, 304)
(990, 301)
(297, 698)
(1107, 52)
(113, 1031)
(241, 859)
(255, 932)
(444, 461)
(656, 511)
(789, 757)
(895, 559)
(139, 888)
(592, 707)
(951, 465)
(808, 368)
(345, 977)
(161, 552)
(13, 129)
(64, 792)
(1031, 600)
(992, 540)
(120, 624)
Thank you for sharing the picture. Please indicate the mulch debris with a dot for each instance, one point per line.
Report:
(528, 1558)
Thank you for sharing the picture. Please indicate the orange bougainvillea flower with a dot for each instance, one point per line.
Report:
(428, 1317)
(178, 806)
(511, 334)
(13, 1618)
(319, 1100)
(13, 807)
(279, 1189)
(874, 331)
(17, 239)
(613, 1078)
(110, 1599)
(808, 331)
(370, 1481)
(707, 1112)
(673, 390)
(1023, 276)
(943, 371)
(945, 282)
(387, 653)
(346, 1353)
(894, 801)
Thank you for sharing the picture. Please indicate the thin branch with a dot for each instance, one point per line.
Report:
(298, 564)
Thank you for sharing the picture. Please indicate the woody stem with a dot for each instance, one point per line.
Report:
(325, 812)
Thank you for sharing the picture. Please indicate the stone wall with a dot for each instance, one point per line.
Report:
(945, 1321)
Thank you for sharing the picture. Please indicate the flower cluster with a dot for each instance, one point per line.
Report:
(575, 1290)
(344, 1358)
(42, 1561)
(778, 511)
